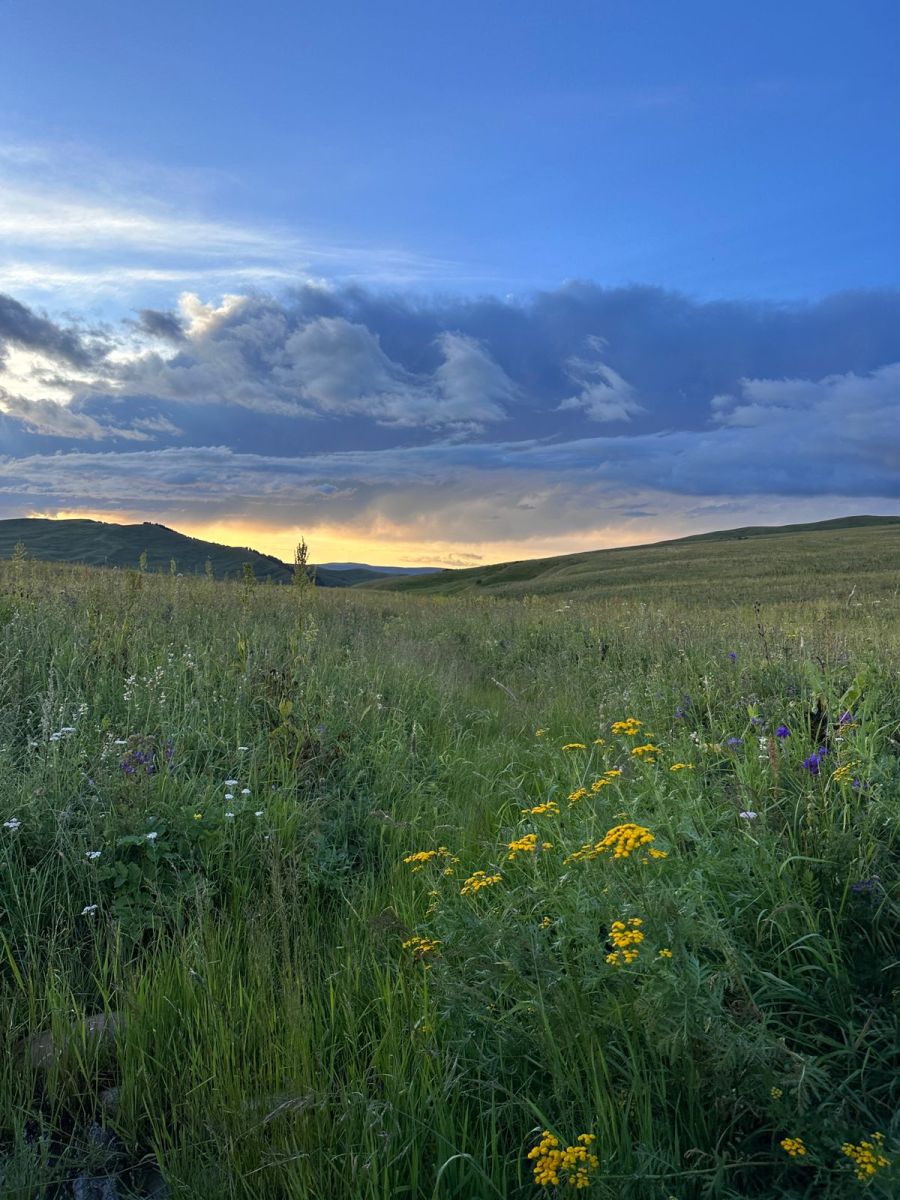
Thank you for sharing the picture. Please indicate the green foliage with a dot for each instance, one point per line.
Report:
(209, 794)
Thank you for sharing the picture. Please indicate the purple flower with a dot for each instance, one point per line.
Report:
(782, 732)
(846, 718)
(749, 815)
(811, 764)
(679, 714)
(864, 885)
(734, 741)
(732, 657)
(756, 720)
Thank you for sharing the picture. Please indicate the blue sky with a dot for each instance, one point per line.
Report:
(449, 239)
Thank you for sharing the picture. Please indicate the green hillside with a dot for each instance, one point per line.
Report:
(99, 543)
(739, 565)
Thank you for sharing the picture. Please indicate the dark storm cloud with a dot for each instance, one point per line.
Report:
(22, 327)
(166, 326)
(492, 416)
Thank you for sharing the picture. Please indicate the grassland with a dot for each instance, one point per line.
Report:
(825, 560)
(242, 823)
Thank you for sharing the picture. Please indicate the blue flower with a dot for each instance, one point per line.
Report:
(734, 741)
(732, 657)
(782, 732)
(811, 764)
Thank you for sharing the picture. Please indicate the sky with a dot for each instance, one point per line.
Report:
(432, 284)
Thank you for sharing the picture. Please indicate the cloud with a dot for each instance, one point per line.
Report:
(23, 327)
(457, 418)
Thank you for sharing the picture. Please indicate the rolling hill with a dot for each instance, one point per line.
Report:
(755, 562)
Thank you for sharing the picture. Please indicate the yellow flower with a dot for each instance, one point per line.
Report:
(479, 880)
(629, 727)
(554, 1166)
(577, 795)
(575, 746)
(539, 732)
(549, 809)
(599, 741)
(418, 860)
(645, 753)
(622, 840)
(665, 953)
(793, 1146)
(198, 816)
(776, 1093)
(420, 946)
(681, 767)
(867, 1156)
(546, 923)
(528, 844)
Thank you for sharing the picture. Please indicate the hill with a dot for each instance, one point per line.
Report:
(101, 543)
(755, 562)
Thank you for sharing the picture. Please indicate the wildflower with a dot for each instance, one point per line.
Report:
(529, 844)
(243, 748)
(479, 880)
(776, 1093)
(151, 837)
(864, 885)
(12, 824)
(599, 742)
(732, 657)
(577, 795)
(259, 812)
(539, 732)
(734, 742)
(623, 840)
(793, 1146)
(422, 857)
(198, 816)
(89, 910)
(846, 718)
(665, 952)
(230, 783)
(229, 814)
(646, 753)
(92, 855)
(842, 774)
(548, 809)
(629, 727)
(575, 746)
(867, 1157)
(782, 732)
(811, 764)
(553, 1166)
(748, 815)
(420, 946)
(229, 795)
(626, 939)
(546, 923)
(245, 791)
(681, 767)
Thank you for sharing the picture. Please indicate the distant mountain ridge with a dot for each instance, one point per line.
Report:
(107, 544)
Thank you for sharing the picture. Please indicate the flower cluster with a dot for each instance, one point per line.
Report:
(629, 727)
(549, 809)
(793, 1146)
(867, 1157)
(422, 857)
(419, 947)
(573, 1165)
(479, 880)
(622, 840)
(626, 938)
(681, 767)
(575, 746)
(528, 844)
(578, 794)
(646, 753)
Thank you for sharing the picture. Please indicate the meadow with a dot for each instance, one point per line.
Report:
(376, 895)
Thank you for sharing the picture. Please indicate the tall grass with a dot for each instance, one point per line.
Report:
(275, 1029)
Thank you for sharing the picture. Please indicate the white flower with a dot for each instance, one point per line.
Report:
(243, 748)
(245, 791)
(229, 795)
(231, 783)
(89, 910)
(259, 813)
(151, 837)
(748, 816)
(120, 742)
(13, 823)
(229, 814)
(92, 854)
